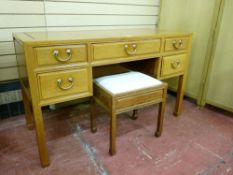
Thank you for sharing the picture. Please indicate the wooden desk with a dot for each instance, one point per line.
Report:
(57, 66)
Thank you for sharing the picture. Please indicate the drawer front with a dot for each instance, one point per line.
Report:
(135, 100)
(173, 64)
(125, 49)
(61, 83)
(61, 54)
(176, 44)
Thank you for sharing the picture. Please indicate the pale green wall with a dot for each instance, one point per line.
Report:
(196, 17)
(220, 89)
(210, 78)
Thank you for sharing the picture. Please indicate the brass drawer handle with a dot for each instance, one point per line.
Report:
(56, 55)
(131, 50)
(177, 45)
(59, 84)
(176, 64)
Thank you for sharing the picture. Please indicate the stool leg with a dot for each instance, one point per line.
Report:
(160, 119)
(93, 116)
(112, 148)
(135, 114)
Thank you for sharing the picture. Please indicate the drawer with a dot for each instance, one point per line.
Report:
(134, 100)
(61, 54)
(173, 64)
(61, 83)
(125, 49)
(176, 44)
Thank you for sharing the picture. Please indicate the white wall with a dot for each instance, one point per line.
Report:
(51, 15)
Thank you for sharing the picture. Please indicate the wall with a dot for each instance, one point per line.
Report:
(210, 77)
(220, 85)
(16, 16)
(196, 17)
(54, 15)
(19, 16)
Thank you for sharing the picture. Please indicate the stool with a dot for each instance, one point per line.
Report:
(124, 92)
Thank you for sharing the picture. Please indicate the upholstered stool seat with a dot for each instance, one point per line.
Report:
(124, 92)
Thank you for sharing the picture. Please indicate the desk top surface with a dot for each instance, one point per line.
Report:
(34, 37)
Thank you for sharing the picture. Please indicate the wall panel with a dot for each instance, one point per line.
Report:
(19, 7)
(97, 20)
(59, 15)
(123, 2)
(64, 15)
(7, 48)
(75, 28)
(17, 16)
(16, 21)
(8, 61)
(101, 9)
(6, 33)
(8, 73)
(220, 87)
(196, 17)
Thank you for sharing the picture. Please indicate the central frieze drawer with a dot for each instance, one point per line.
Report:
(61, 54)
(125, 49)
(61, 83)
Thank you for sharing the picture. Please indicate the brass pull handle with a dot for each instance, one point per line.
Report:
(57, 57)
(59, 84)
(177, 45)
(131, 50)
(176, 64)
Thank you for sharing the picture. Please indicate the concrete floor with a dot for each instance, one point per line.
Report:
(198, 142)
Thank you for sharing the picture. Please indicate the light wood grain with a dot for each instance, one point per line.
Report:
(138, 98)
(117, 50)
(9, 73)
(49, 87)
(43, 79)
(170, 44)
(173, 64)
(122, 102)
(45, 55)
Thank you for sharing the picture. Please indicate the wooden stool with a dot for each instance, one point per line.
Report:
(124, 92)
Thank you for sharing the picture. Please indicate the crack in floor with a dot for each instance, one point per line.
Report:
(90, 151)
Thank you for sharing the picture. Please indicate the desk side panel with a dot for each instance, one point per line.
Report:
(21, 66)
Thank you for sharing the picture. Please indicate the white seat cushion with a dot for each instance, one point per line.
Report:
(126, 82)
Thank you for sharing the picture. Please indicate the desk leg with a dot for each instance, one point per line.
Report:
(180, 95)
(93, 115)
(135, 114)
(112, 148)
(40, 136)
(28, 112)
